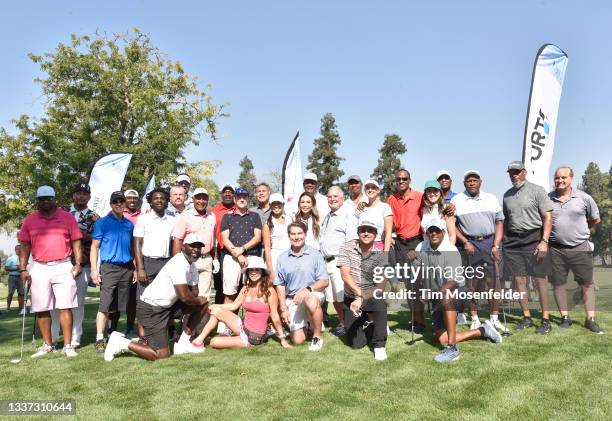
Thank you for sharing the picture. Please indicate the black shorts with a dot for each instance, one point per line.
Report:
(15, 284)
(437, 312)
(155, 320)
(579, 259)
(519, 258)
(481, 261)
(115, 288)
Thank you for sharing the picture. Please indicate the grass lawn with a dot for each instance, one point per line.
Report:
(564, 375)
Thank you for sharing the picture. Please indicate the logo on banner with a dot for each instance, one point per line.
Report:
(540, 133)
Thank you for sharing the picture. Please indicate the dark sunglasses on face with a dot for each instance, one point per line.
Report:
(45, 198)
(444, 177)
(402, 178)
(118, 201)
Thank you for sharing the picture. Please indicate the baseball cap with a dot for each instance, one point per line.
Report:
(240, 191)
(276, 197)
(437, 223)
(131, 193)
(310, 176)
(200, 190)
(471, 172)
(193, 239)
(183, 178)
(367, 223)
(45, 191)
(228, 186)
(441, 173)
(256, 262)
(81, 187)
(432, 184)
(117, 195)
(516, 165)
(353, 177)
(372, 182)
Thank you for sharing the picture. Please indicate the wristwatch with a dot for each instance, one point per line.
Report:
(309, 288)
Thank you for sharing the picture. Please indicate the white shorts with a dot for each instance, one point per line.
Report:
(335, 290)
(52, 286)
(231, 275)
(298, 316)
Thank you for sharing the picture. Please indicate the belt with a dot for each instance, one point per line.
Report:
(562, 246)
(55, 262)
(478, 237)
(330, 258)
(406, 240)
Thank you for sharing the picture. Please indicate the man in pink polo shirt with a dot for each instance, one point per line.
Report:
(200, 221)
(51, 235)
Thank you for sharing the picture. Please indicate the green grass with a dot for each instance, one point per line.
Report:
(565, 375)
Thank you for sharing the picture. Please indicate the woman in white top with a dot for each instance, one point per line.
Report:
(308, 215)
(378, 212)
(434, 209)
(274, 232)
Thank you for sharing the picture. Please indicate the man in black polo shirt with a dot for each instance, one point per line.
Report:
(241, 234)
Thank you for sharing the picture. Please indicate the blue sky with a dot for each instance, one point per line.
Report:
(451, 78)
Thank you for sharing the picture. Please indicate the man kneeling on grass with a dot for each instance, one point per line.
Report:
(435, 253)
(172, 294)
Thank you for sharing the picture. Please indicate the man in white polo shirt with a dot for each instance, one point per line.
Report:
(170, 296)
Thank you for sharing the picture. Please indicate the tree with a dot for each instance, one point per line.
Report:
(104, 94)
(599, 185)
(275, 179)
(388, 164)
(324, 161)
(247, 179)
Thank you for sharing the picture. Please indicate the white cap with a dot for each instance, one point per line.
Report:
(310, 176)
(441, 173)
(192, 239)
(256, 262)
(373, 182)
(438, 223)
(231, 186)
(471, 172)
(130, 193)
(200, 190)
(276, 197)
(45, 191)
(367, 223)
(183, 177)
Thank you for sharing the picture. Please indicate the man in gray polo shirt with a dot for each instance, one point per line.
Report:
(527, 227)
(574, 213)
(262, 196)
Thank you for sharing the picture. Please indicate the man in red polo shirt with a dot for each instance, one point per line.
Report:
(51, 235)
(226, 205)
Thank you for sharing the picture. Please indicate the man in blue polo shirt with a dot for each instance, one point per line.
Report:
(446, 182)
(112, 236)
(301, 278)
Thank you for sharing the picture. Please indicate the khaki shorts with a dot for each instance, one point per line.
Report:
(298, 316)
(335, 290)
(205, 275)
(232, 273)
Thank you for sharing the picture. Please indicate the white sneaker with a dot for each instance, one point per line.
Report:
(499, 326)
(69, 351)
(316, 345)
(43, 351)
(380, 354)
(461, 319)
(114, 346)
(475, 324)
(491, 333)
(22, 312)
(187, 348)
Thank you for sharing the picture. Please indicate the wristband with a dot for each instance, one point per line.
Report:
(22, 270)
(544, 240)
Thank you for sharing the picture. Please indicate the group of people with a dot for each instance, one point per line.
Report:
(282, 262)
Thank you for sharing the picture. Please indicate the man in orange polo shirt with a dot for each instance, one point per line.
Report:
(226, 205)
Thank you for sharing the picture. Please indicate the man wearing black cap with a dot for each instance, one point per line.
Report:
(112, 236)
(527, 229)
(86, 219)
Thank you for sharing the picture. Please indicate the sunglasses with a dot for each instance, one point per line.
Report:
(402, 178)
(117, 201)
(444, 177)
(45, 198)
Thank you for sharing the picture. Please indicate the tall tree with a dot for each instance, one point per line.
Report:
(324, 160)
(599, 185)
(103, 94)
(388, 163)
(247, 178)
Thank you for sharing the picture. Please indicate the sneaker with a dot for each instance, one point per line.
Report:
(450, 353)
(338, 331)
(187, 348)
(527, 323)
(566, 322)
(380, 354)
(419, 328)
(592, 325)
(100, 345)
(461, 319)
(270, 332)
(475, 324)
(544, 328)
(316, 345)
(69, 351)
(491, 333)
(499, 326)
(43, 351)
(114, 346)
(130, 334)
(22, 312)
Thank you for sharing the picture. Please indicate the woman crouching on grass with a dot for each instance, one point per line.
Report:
(259, 301)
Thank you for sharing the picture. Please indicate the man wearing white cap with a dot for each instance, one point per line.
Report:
(480, 228)
(445, 180)
(311, 185)
(131, 213)
(170, 296)
(184, 181)
(51, 235)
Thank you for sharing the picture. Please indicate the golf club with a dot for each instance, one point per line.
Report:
(34, 329)
(17, 361)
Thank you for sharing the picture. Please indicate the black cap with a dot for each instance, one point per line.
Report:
(81, 187)
(117, 195)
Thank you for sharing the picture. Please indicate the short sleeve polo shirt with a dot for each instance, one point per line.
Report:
(570, 218)
(242, 229)
(50, 237)
(406, 213)
(115, 237)
(524, 206)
